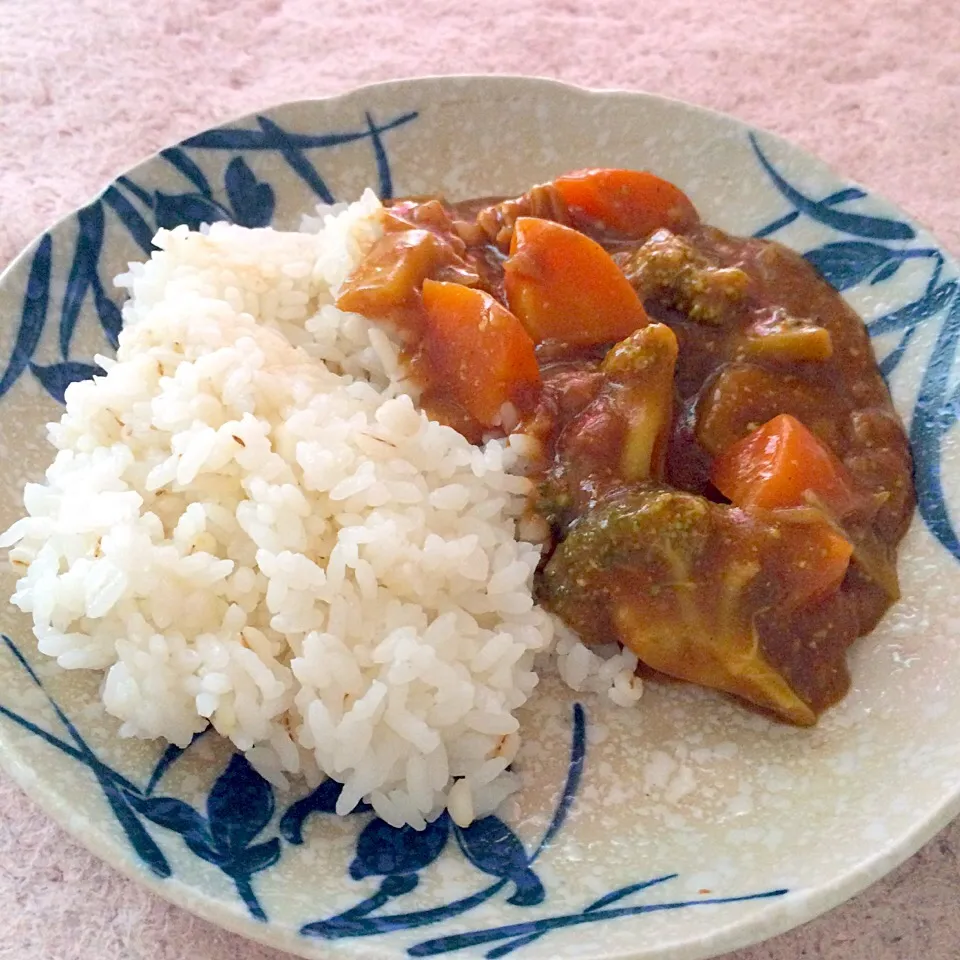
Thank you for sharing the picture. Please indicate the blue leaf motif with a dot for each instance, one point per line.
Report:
(171, 754)
(491, 846)
(321, 800)
(529, 890)
(856, 224)
(136, 226)
(932, 418)
(252, 200)
(44, 735)
(358, 921)
(144, 196)
(383, 850)
(173, 814)
(578, 753)
(529, 930)
(111, 319)
(843, 265)
(240, 805)
(248, 896)
(835, 199)
(892, 360)
(178, 158)
(914, 313)
(190, 208)
(397, 885)
(385, 180)
(81, 751)
(140, 840)
(233, 138)
(886, 271)
(259, 857)
(116, 788)
(82, 271)
(33, 316)
(280, 140)
(229, 138)
(203, 848)
(58, 376)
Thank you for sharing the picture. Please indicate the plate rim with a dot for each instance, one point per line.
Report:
(773, 919)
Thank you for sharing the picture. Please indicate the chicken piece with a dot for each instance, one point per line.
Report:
(387, 282)
(494, 224)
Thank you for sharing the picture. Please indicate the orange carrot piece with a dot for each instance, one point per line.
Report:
(782, 464)
(480, 349)
(818, 559)
(564, 286)
(631, 203)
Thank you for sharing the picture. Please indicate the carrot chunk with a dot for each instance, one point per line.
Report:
(564, 286)
(480, 349)
(782, 464)
(631, 203)
(818, 559)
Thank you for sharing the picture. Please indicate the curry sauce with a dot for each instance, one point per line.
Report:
(721, 469)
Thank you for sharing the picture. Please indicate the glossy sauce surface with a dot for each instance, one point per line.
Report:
(643, 548)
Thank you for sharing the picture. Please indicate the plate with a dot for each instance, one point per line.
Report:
(681, 829)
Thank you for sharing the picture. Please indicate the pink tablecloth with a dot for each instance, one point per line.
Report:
(87, 87)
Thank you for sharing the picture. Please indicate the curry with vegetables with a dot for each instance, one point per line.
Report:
(721, 479)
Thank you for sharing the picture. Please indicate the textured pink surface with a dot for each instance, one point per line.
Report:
(88, 87)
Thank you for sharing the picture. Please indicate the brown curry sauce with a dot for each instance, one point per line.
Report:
(700, 589)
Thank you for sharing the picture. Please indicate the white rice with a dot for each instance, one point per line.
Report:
(249, 523)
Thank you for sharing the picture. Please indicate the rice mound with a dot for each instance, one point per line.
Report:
(249, 523)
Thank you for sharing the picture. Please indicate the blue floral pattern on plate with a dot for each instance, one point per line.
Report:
(241, 830)
(878, 247)
(241, 805)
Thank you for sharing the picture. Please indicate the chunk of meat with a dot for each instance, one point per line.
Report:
(619, 435)
(427, 214)
(387, 282)
(586, 457)
(742, 396)
(573, 386)
(494, 224)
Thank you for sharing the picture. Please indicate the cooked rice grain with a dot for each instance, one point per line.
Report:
(249, 523)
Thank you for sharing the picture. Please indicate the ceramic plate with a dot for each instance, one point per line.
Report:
(682, 829)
